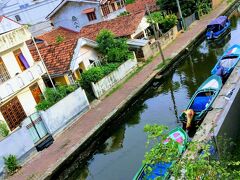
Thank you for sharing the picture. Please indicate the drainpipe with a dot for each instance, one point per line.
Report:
(43, 63)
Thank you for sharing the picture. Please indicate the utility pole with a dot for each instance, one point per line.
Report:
(155, 34)
(181, 16)
(43, 63)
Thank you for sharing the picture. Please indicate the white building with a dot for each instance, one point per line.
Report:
(21, 83)
(31, 12)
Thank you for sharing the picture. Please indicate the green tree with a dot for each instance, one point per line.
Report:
(113, 49)
(187, 6)
(163, 20)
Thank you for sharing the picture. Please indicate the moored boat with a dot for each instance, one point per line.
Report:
(227, 62)
(217, 27)
(202, 100)
(161, 169)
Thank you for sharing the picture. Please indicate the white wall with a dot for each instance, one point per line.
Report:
(27, 101)
(58, 116)
(18, 143)
(11, 63)
(34, 13)
(105, 84)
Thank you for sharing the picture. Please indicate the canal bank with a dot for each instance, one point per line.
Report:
(88, 127)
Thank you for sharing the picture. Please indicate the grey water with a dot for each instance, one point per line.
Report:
(120, 154)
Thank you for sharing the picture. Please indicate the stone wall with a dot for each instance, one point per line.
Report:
(105, 84)
(59, 115)
(168, 37)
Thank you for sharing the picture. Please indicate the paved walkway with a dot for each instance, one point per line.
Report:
(44, 162)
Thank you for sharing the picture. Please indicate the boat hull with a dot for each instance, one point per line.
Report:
(203, 99)
(233, 54)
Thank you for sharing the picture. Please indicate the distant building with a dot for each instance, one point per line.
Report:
(31, 12)
(76, 14)
(21, 83)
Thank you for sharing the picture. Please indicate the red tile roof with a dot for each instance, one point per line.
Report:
(122, 26)
(50, 37)
(57, 57)
(140, 5)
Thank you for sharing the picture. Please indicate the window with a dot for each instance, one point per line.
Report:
(18, 18)
(21, 60)
(36, 92)
(91, 16)
(13, 113)
(105, 10)
(4, 76)
(113, 6)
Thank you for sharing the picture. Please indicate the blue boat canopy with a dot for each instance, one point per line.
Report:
(221, 20)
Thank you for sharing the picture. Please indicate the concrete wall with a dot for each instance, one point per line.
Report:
(168, 37)
(19, 143)
(60, 114)
(229, 123)
(105, 84)
(64, 16)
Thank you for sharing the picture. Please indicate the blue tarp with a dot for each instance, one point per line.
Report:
(200, 102)
(159, 170)
(221, 20)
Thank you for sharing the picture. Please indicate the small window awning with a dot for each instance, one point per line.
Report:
(89, 10)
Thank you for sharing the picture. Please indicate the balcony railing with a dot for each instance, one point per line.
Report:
(14, 38)
(22, 80)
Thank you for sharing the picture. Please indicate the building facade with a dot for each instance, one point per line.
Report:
(76, 14)
(31, 12)
(21, 83)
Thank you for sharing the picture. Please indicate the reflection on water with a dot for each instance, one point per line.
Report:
(120, 155)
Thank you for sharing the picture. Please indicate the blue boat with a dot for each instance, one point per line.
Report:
(161, 169)
(227, 62)
(217, 27)
(202, 100)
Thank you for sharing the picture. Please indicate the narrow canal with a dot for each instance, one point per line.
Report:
(120, 155)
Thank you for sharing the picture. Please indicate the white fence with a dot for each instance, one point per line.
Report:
(60, 114)
(105, 84)
(19, 143)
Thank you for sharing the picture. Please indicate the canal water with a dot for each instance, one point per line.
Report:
(120, 154)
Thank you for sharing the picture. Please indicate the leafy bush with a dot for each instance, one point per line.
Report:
(168, 22)
(11, 163)
(97, 73)
(53, 96)
(125, 13)
(4, 131)
(130, 1)
(59, 39)
(113, 50)
(165, 21)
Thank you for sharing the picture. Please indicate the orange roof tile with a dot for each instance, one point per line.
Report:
(140, 5)
(122, 26)
(50, 37)
(57, 57)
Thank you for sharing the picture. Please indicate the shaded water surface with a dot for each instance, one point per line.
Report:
(120, 155)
